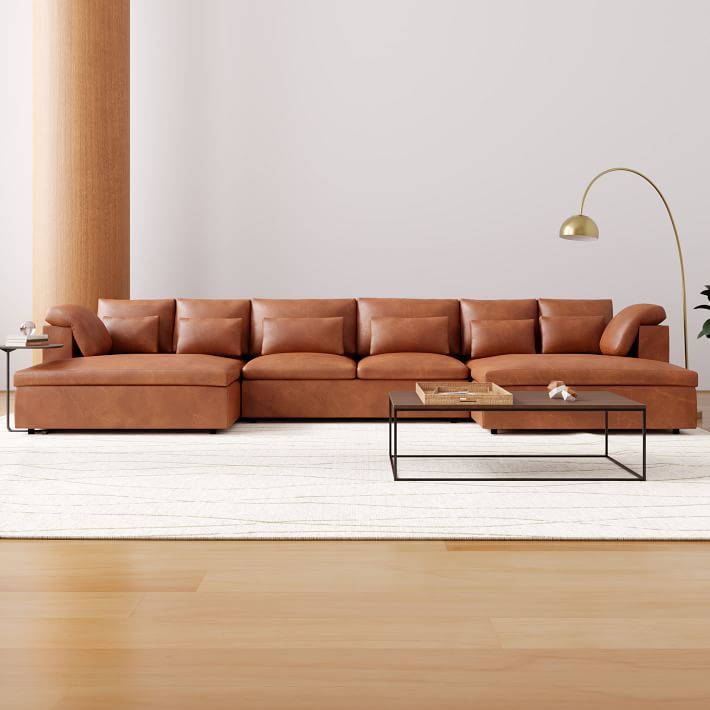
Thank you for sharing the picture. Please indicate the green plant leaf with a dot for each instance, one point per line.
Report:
(705, 331)
(705, 292)
(702, 306)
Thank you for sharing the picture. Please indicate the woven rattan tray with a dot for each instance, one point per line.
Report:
(462, 393)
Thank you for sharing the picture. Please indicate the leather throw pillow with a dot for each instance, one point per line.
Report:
(303, 335)
(210, 336)
(502, 337)
(409, 335)
(133, 335)
(140, 308)
(572, 334)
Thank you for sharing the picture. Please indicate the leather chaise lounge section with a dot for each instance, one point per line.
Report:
(203, 364)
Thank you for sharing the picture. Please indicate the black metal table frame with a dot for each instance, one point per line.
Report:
(394, 455)
(7, 349)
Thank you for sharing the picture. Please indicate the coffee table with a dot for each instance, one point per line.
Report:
(523, 401)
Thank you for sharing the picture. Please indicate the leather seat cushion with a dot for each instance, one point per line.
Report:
(574, 369)
(134, 369)
(300, 366)
(411, 366)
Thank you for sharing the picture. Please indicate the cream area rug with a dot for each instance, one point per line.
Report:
(332, 480)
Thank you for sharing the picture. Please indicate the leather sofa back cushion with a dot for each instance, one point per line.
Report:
(303, 335)
(88, 330)
(576, 307)
(497, 309)
(163, 308)
(623, 329)
(210, 336)
(133, 335)
(502, 337)
(262, 308)
(214, 308)
(428, 334)
(369, 308)
(572, 334)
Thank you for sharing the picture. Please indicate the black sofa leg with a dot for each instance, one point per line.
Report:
(494, 431)
(30, 431)
(676, 431)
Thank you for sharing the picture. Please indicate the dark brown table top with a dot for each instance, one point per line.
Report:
(594, 401)
(42, 346)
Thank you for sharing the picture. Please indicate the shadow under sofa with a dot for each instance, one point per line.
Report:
(383, 347)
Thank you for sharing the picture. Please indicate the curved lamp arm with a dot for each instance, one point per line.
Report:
(675, 232)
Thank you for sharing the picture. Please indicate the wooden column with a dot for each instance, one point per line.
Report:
(81, 160)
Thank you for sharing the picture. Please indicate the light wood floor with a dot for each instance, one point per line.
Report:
(94, 625)
(217, 625)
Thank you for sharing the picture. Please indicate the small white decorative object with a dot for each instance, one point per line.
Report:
(559, 390)
(28, 328)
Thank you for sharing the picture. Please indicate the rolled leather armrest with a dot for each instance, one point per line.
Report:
(654, 343)
(623, 329)
(58, 335)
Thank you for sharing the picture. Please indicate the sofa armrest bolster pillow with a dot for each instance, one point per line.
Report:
(89, 331)
(623, 329)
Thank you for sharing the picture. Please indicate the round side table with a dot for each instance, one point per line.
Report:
(7, 349)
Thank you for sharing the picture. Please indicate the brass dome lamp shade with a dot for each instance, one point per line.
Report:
(580, 227)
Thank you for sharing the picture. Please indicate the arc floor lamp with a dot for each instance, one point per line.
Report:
(580, 227)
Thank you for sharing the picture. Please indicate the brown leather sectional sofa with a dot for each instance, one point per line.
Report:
(201, 364)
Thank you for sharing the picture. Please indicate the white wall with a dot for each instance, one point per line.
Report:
(15, 172)
(401, 148)
(395, 147)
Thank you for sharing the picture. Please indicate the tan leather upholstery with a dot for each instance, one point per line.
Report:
(502, 337)
(168, 390)
(654, 343)
(575, 370)
(412, 335)
(303, 335)
(300, 366)
(303, 308)
(369, 308)
(128, 406)
(136, 308)
(623, 329)
(497, 309)
(571, 334)
(160, 369)
(133, 335)
(88, 330)
(58, 335)
(576, 307)
(667, 408)
(323, 399)
(214, 308)
(210, 336)
(411, 366)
